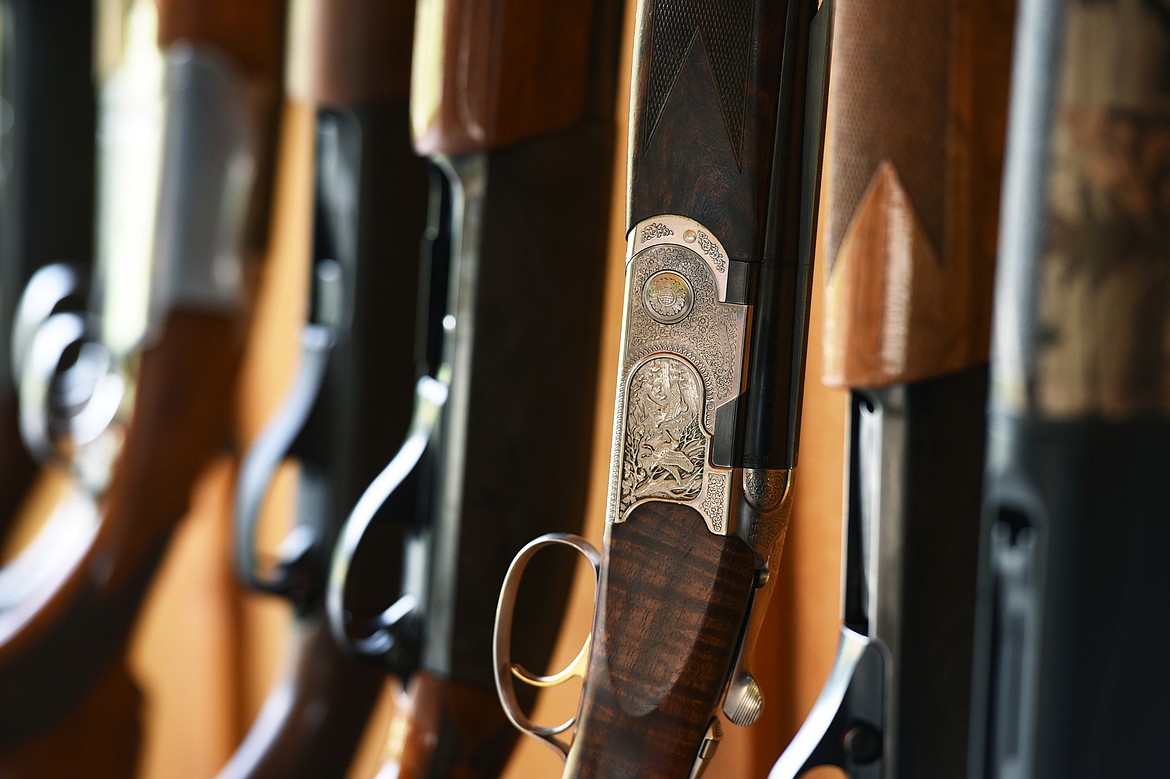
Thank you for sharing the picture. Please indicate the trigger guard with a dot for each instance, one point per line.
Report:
(503, 667)
(430, 399)
(270, 449)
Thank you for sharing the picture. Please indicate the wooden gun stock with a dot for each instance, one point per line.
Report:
(76, 622)
(446, 728)
(918, 108)
(181, 417)
(490, 74)
(724, 167)
(369, 212)
(916, 113)
(703, 100)
(663, 638)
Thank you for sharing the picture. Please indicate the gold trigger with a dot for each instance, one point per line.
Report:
(506, 671)
(575, 668)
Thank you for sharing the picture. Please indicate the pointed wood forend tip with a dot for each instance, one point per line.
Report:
(892, 313)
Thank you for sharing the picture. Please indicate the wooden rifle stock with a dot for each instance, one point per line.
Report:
(61, 636)
(724, 166)
(513, 101)
(490, 74)
(918, 109)
(916, 112)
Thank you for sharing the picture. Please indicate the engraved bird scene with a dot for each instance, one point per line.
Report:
(664, 446)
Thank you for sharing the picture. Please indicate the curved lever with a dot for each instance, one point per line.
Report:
(505, 669)
(430, 397)
(843, 728)
(65, 378)
(269, 450)
(43, 295)
(68, 388)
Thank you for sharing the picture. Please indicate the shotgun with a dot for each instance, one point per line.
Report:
(46, 188)
(1071, 678)
(70, 598)
(727, 116)
(351, 400)
(513, 104)
(914, 168)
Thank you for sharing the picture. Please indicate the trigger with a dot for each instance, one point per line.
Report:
(575, 668)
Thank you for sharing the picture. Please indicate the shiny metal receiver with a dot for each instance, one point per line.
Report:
(208, 129)
(681, 372)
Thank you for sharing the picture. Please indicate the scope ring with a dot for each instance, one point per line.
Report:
(505, 669)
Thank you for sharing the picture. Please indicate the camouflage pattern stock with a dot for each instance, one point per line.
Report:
(1071, 679)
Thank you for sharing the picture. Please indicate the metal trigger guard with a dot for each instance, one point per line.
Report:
(505, 669)
(261, 461)
(61, 408)
(398, 620)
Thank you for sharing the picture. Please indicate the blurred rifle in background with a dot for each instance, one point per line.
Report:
(47, 142)
(914, 170)
(725, 138)
(350, 403)
(513, 104)
(1071, 673)
(138, 396)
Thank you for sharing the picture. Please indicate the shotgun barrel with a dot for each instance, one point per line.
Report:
(725, 133)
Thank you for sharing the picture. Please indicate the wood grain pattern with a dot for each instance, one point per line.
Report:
(449, 729)
(181, 416)
(917, 110)
(488, 73)
(703, 118)
(672, 597)
(358, 51)
(249, 32)
(312, 724)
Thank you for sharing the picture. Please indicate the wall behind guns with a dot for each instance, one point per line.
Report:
(205, 653)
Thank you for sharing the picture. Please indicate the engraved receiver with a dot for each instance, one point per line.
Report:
(725, 139)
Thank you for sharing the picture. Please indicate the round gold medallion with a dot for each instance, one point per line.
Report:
(667, 297)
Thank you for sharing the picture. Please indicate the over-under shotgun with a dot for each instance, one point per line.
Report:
(513, 104)
(1071, 672)
(71, 598)
(917, 109)
(723, 174)
(350, 404)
